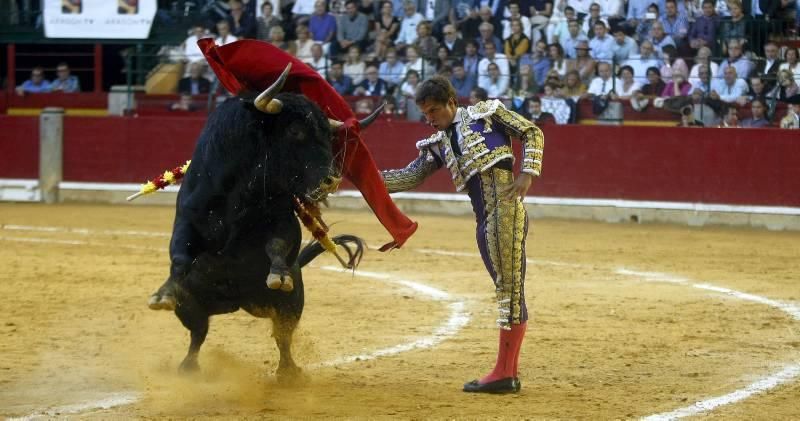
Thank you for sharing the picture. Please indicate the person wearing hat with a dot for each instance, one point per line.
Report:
(584, 63)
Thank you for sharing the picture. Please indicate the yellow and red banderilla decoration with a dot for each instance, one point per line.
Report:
(308, 213)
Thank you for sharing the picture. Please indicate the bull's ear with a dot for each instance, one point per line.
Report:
(370, 118)
(266, 101)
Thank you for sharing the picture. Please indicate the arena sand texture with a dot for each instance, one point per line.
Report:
(620, 328)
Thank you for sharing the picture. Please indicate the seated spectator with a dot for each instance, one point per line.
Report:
(241, 23)
(415, 62)
(354, 65)
(744, 67)
(730, 87)
(624, 47)
(603, 84)
(391, 109)
(645, 60)
(185, 103)
(64, 81)
(769, 66)
(478, 95)
(492, 57)
(703, 58)
(266, 21)
(688, 118)
(574, 88)
(628, 85)
(524, 85)
(392, 70)
(787, 86)
(672, 63)
(575, 36)
(558, 26)
(678, 86)
(322, 25)
(363, 106)
(730, 117)
(426, 44)
(318, 61)
(190, 50)
(533, 112)
(471, 28)
(409, 86)
(704, 30)
(224, 35)
(340, 81)
(372, 85)
(602, 45)
(351, 29)
(659, 38)
(675, 25)
(517, 44)
(792, 118)
(376, 51)
(584, 63)
(408, 25)
(37, 84)
(462, 81)
(591, 20)
(655, 85)
(514, 14)
(442, 60)
(495, 85)
(560, 64)
(539, 60)
(277, 37)
(644, 29)
(488, 37)
(759, 111)
(195, 83)
(554, 104)
(388, 24)
(471, 57)
(455, 45)
(703, 82)
(792, 64)
(302, 45)
(302, 11)
(737, 27)
(758, 90)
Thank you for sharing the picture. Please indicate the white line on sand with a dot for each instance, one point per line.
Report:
(110, 401)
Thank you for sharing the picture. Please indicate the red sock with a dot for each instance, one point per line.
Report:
(507, 354)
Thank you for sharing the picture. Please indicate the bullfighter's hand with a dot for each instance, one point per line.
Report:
(519, 188)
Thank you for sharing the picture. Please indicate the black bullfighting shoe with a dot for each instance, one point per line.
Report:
(502, 386)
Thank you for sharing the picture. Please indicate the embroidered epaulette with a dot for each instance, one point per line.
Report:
(432, 140)
(484, 109)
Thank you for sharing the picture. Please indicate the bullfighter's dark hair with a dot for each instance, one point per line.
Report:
(437, 89)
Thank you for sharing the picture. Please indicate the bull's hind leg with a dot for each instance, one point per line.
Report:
(196, 320)
(283, 326)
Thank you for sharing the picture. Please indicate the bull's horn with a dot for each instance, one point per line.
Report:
(335, 124)
(266, 102)
(370, 118)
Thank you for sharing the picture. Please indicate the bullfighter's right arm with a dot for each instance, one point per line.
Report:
(413, 174)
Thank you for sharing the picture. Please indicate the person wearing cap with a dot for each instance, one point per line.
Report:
(624, 46)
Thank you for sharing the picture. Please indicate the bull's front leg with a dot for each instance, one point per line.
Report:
(282, 248)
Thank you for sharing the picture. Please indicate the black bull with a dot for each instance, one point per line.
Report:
(235, 229)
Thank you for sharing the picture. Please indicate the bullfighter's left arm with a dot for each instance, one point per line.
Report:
(514, 125)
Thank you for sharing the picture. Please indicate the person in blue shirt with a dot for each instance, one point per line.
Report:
(340, 81)
(64, 81)
(37, 84)
(462, 81)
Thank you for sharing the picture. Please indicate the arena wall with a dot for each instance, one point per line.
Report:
(613, 173)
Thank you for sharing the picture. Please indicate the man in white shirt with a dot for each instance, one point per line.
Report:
(611, 9)
(645, 60)
(735, 59)
(659, 38)
(603, 84)
(602, 44)
(730, 87)
(495, 85)
(513, 9)
(318, 61)
(408, 26)
(492, 56)
(224, 31)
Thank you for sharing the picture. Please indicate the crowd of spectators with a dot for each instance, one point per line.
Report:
(710, 54)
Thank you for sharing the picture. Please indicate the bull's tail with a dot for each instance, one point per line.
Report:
(353, 245)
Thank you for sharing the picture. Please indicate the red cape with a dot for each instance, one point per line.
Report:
(251, 65)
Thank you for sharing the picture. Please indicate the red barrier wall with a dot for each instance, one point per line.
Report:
(726, 166)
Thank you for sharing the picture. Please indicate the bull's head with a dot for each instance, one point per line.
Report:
(302, 127)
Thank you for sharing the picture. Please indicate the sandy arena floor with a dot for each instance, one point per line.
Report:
(628, 321)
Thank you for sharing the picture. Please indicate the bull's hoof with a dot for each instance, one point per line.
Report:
(162, 302)
(274, 281)
(282, 282)
(189, 366)
(292, 376)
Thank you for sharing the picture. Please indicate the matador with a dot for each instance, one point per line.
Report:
(474, 143)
